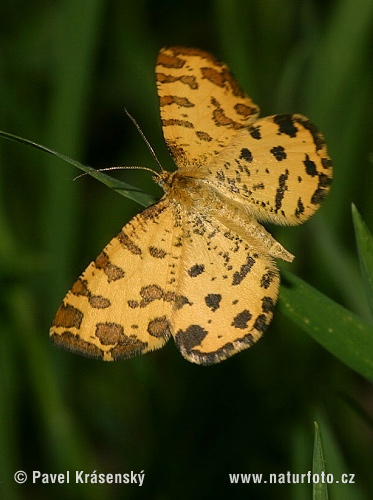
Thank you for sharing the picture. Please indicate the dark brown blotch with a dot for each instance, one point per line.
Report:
(180, 301)
(244, 110)
(109, 333)
(204, 136)
(170, 61)
(175, 122)
(223, 79)
(80, 288)
(133, 304)
(157, 253)
(150, 293)
(127, 347)
(159, 327)
(127, 243)
(99, 302)
(68, 316)
(112, 272)
(75, 344)
(221, 119)
(188, 80)
(173, 99)
(102, 260)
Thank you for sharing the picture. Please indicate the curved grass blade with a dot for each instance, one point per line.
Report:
(364, 243)
(320, 489)
(120, 187)
(340, 331)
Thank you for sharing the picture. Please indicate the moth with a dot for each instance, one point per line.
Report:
(199, 265)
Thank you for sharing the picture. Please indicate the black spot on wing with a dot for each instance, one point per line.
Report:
(157, 253)
(316, 135)
(241, 320)
(246, 155)
(280, 192)
(267, 304)
(310, 166)
(285, 125)
(187, 339)
(196, 270)
(254, 131)
(324, 180)
(238, 276)
(266, 279)
(322, 189)
(326, 163)
(261, 323)
(279, 153)
(300, 208)
(213, 301)
(220, 175)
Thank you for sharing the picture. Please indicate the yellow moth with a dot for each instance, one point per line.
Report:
(198, 265)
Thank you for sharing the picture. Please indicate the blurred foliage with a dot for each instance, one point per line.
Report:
(67, 71)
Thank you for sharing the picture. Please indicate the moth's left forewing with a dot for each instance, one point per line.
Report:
(229, 291)
(122, 304)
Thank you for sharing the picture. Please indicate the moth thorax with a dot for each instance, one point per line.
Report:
(186, 191)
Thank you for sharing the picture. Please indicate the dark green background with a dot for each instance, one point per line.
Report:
(67, 71)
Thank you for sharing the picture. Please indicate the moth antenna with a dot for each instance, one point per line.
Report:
(144, 138)
(154, 172)
(134, 167)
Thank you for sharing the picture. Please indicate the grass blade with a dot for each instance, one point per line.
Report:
(320, 489)
(120, 187)
(364, 243)
(340, 331)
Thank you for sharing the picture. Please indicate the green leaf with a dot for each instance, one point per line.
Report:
(320, 490)
(340, 488)
(120, 187)
(364, 242)
(340, 331)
